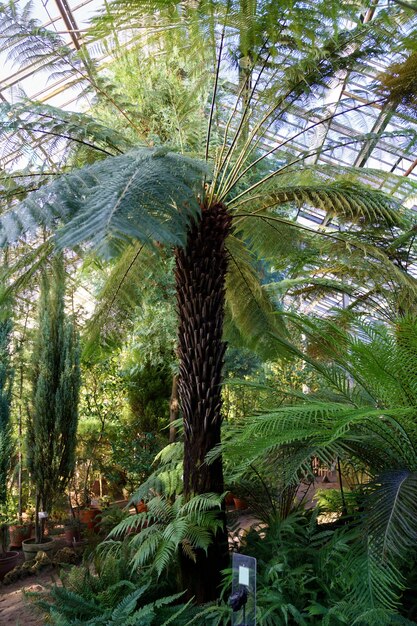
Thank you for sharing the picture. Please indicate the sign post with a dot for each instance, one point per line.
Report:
(243, 598)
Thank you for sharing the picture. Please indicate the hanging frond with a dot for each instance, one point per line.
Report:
(146, 194)
(349, 202)
(121, 294)
(392, 514)
(247, 303)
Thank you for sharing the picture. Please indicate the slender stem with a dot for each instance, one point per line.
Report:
(76, 140)
(216, 82)
(223, 165)
(264, 485)
(281, 145)
(339, 471)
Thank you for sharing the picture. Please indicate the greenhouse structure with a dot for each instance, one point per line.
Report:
(208, 312)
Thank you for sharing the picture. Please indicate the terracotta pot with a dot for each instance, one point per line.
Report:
(88, 517)
(141, 507)
(18, 533)
(8, 562)
(240, 504)
(30, 548)
(229, 499)
(72, 535)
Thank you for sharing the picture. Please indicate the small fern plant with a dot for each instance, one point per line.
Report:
(107, 591)
(72, 608)
(157, 536)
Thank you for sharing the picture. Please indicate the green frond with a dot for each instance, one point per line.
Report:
(399, 84)
(248, 305)
(392, 513)
(146, 194)
(375, 583)
(111, 595)
(310, 288)
(267, 239)
(28, 44)
(127, 605)
(167, 527)
(201, 503)
(74, 603)
(121, 293)
(43, 126)
(348, 201)
(164, 555)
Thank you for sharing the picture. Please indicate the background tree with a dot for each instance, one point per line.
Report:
(5, 399)
(53, 414)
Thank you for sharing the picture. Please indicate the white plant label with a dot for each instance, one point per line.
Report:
(243, 575)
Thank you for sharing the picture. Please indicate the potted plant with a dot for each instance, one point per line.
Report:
(72, 531)
(8, 558)
(19, 531)
(86, 511)
(240, 503)
(87, 515)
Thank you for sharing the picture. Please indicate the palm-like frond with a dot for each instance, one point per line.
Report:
(149, 195)
(33, 125)
(392, 513)
(166, 527)
(249, 307)
(347, 201)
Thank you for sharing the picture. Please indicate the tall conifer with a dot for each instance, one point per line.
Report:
(53, 416)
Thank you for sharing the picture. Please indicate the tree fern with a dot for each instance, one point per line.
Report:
(159, 198)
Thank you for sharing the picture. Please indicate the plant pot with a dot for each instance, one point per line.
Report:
(18, 533)
(72, 535)
(240, 504)
(8, 562)
(229, 499)
(141, 507)
(88, 517)
(31, 548)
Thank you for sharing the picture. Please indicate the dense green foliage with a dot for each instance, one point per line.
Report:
(113, 595)
(363, 413)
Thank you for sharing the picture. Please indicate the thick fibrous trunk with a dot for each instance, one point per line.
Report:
(200, 280)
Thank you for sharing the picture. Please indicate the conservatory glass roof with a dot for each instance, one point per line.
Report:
(348, 97)
(348, 108)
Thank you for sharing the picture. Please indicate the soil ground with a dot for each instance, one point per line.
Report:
(15, 608)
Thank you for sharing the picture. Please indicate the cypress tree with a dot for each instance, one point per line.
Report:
(53, 417)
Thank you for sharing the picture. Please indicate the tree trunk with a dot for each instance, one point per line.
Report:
(200, 282)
